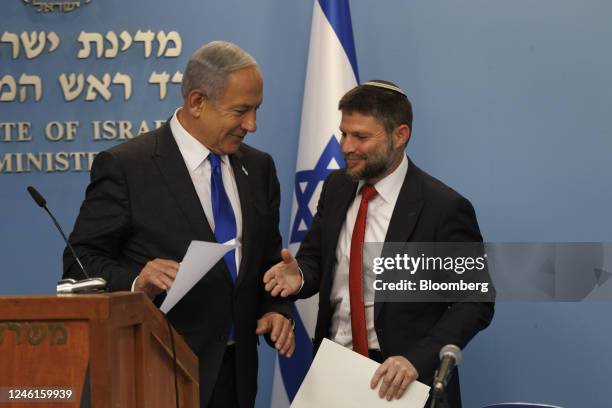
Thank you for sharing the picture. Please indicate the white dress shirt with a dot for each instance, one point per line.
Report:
(380, 210)
(195, 155)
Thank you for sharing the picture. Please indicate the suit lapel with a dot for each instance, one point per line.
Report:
(405, 214)
(242, 183)
(407, 208)
(339, 204)
(172, 167)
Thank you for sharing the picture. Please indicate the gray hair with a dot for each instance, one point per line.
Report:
(209, 67)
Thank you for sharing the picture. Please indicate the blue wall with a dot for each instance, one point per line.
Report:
(512, 107)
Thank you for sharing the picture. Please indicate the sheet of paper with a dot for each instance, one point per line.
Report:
(200, 258)
(339, 377)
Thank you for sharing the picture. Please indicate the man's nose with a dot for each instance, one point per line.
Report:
(346, 144)
(250, 122)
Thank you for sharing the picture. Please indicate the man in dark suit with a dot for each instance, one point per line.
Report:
(381, 196)
(194, 179)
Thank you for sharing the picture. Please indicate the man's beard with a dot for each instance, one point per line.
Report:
(376, 165)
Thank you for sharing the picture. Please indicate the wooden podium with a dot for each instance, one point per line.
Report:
(111, 350)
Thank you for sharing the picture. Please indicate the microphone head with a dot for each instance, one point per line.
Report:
(40, 200)
(452, 351)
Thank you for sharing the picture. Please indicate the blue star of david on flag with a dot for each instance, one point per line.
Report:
(306, 183)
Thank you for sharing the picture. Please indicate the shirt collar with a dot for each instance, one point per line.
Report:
(388, 188)
(194, 153)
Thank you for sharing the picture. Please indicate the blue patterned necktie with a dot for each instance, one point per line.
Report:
(225, 221)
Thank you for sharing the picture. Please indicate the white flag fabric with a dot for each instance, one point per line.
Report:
(331, 72)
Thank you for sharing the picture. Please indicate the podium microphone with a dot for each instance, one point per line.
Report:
(88, 285)
(450, 357)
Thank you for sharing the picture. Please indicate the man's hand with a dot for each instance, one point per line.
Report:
(284, 278)
(281, 332)
(396, 373)
(156, 277)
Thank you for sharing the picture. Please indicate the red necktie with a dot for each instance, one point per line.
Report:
(358, 323)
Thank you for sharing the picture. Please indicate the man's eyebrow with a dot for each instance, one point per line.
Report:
(357, 132)
(246, 106)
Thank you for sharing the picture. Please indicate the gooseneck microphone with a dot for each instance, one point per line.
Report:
(40, 200)
(87, 285)
(450, 357)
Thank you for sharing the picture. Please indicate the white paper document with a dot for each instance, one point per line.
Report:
(200, 258)
(339, 377)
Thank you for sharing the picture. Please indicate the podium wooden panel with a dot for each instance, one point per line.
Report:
(120, 339)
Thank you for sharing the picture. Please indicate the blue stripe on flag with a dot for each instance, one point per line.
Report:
(339, 15)
(294, 369)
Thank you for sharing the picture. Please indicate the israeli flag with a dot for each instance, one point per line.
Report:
(331, 72)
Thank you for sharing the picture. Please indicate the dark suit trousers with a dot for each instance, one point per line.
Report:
(225, 393)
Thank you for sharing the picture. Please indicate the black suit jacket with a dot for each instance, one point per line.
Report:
(141, 204)
(426, 211)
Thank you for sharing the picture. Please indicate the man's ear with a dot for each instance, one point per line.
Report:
(401, 136)
(196, 101)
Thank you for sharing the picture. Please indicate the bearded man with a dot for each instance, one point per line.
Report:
(381, 196)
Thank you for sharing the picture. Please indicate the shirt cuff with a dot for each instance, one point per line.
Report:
(302, 275)
(133, 284)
